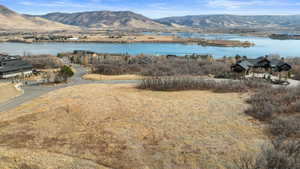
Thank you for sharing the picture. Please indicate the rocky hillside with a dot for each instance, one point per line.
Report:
(234, 21)
(11, 20)
(105, 19)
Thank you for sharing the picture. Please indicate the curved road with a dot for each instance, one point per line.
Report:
(32, 92)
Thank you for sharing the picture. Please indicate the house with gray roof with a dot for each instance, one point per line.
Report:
(264, 63)
(12, 66)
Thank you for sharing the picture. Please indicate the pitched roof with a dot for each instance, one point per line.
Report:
(276, 64)
(83, 52)
(15, 65)
(5, 58)
(245, 64)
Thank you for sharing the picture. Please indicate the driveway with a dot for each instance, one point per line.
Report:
(33, 92)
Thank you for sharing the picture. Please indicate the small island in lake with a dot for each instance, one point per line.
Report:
(285, 36)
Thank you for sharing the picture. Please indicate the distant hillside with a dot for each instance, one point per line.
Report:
(105, 19)
(13, 21)
(234, 21)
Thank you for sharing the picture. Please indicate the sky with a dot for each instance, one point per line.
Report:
(159, 8)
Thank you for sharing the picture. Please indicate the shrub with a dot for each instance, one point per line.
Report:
(27, 166)
(116, 68)
(295, 63)
(279, 155)
(63, 75)
(194, 83)
(296, 72)
(183, 66)
(269, 101)
(162, 67)
(44, 61)
(285, 127)
(66, 71)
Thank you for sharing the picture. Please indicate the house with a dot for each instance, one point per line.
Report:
(89, 57)
(171, 56)
(242, 66)
(83, 52)
(261, 64)
(280, 65)
(12, 66)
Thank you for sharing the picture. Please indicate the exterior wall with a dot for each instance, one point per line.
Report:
(10, 75)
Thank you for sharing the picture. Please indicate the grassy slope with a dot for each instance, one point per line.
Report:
(119, 126)
(14, 21)
(8, 91)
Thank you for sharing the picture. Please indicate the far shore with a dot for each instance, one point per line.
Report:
(130, 39)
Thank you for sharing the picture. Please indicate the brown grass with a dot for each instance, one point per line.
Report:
(7, 92)
(111, 77)
(154, 66)
(44, 61)
(279, 154)
(271, 102)
(295, 63)
(178, 83)
(119, 126)
(18, 22)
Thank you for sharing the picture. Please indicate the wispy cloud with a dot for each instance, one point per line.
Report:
(159, 8)
(237, 4)
(233, 4)
(53, 4)
(159, 5)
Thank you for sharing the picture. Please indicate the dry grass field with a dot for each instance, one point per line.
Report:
(7, 92)
(19, 22)
(119, 126)
(111, 77)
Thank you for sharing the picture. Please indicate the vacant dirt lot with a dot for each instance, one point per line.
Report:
(118, 126)
(7, 92)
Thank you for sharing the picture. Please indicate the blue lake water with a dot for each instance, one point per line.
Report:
(264, 46)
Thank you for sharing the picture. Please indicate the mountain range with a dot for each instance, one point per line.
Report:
(105, 19)
(235, 21)
(11, 20)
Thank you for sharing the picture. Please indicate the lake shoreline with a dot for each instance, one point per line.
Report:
(201, 42)
(263, 46)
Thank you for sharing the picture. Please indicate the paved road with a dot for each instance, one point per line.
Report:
(32, 92)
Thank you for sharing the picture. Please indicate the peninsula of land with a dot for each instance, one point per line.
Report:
(130, 38)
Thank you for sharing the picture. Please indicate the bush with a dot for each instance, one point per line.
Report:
(116, 68)
(63, 75)
(295, 63)
(183, 66)
(66, 71)
(269, 101)
(194, 83)
(162, 67)
(279, 155)
(44, 61)
(285, 127)
(296, 72)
